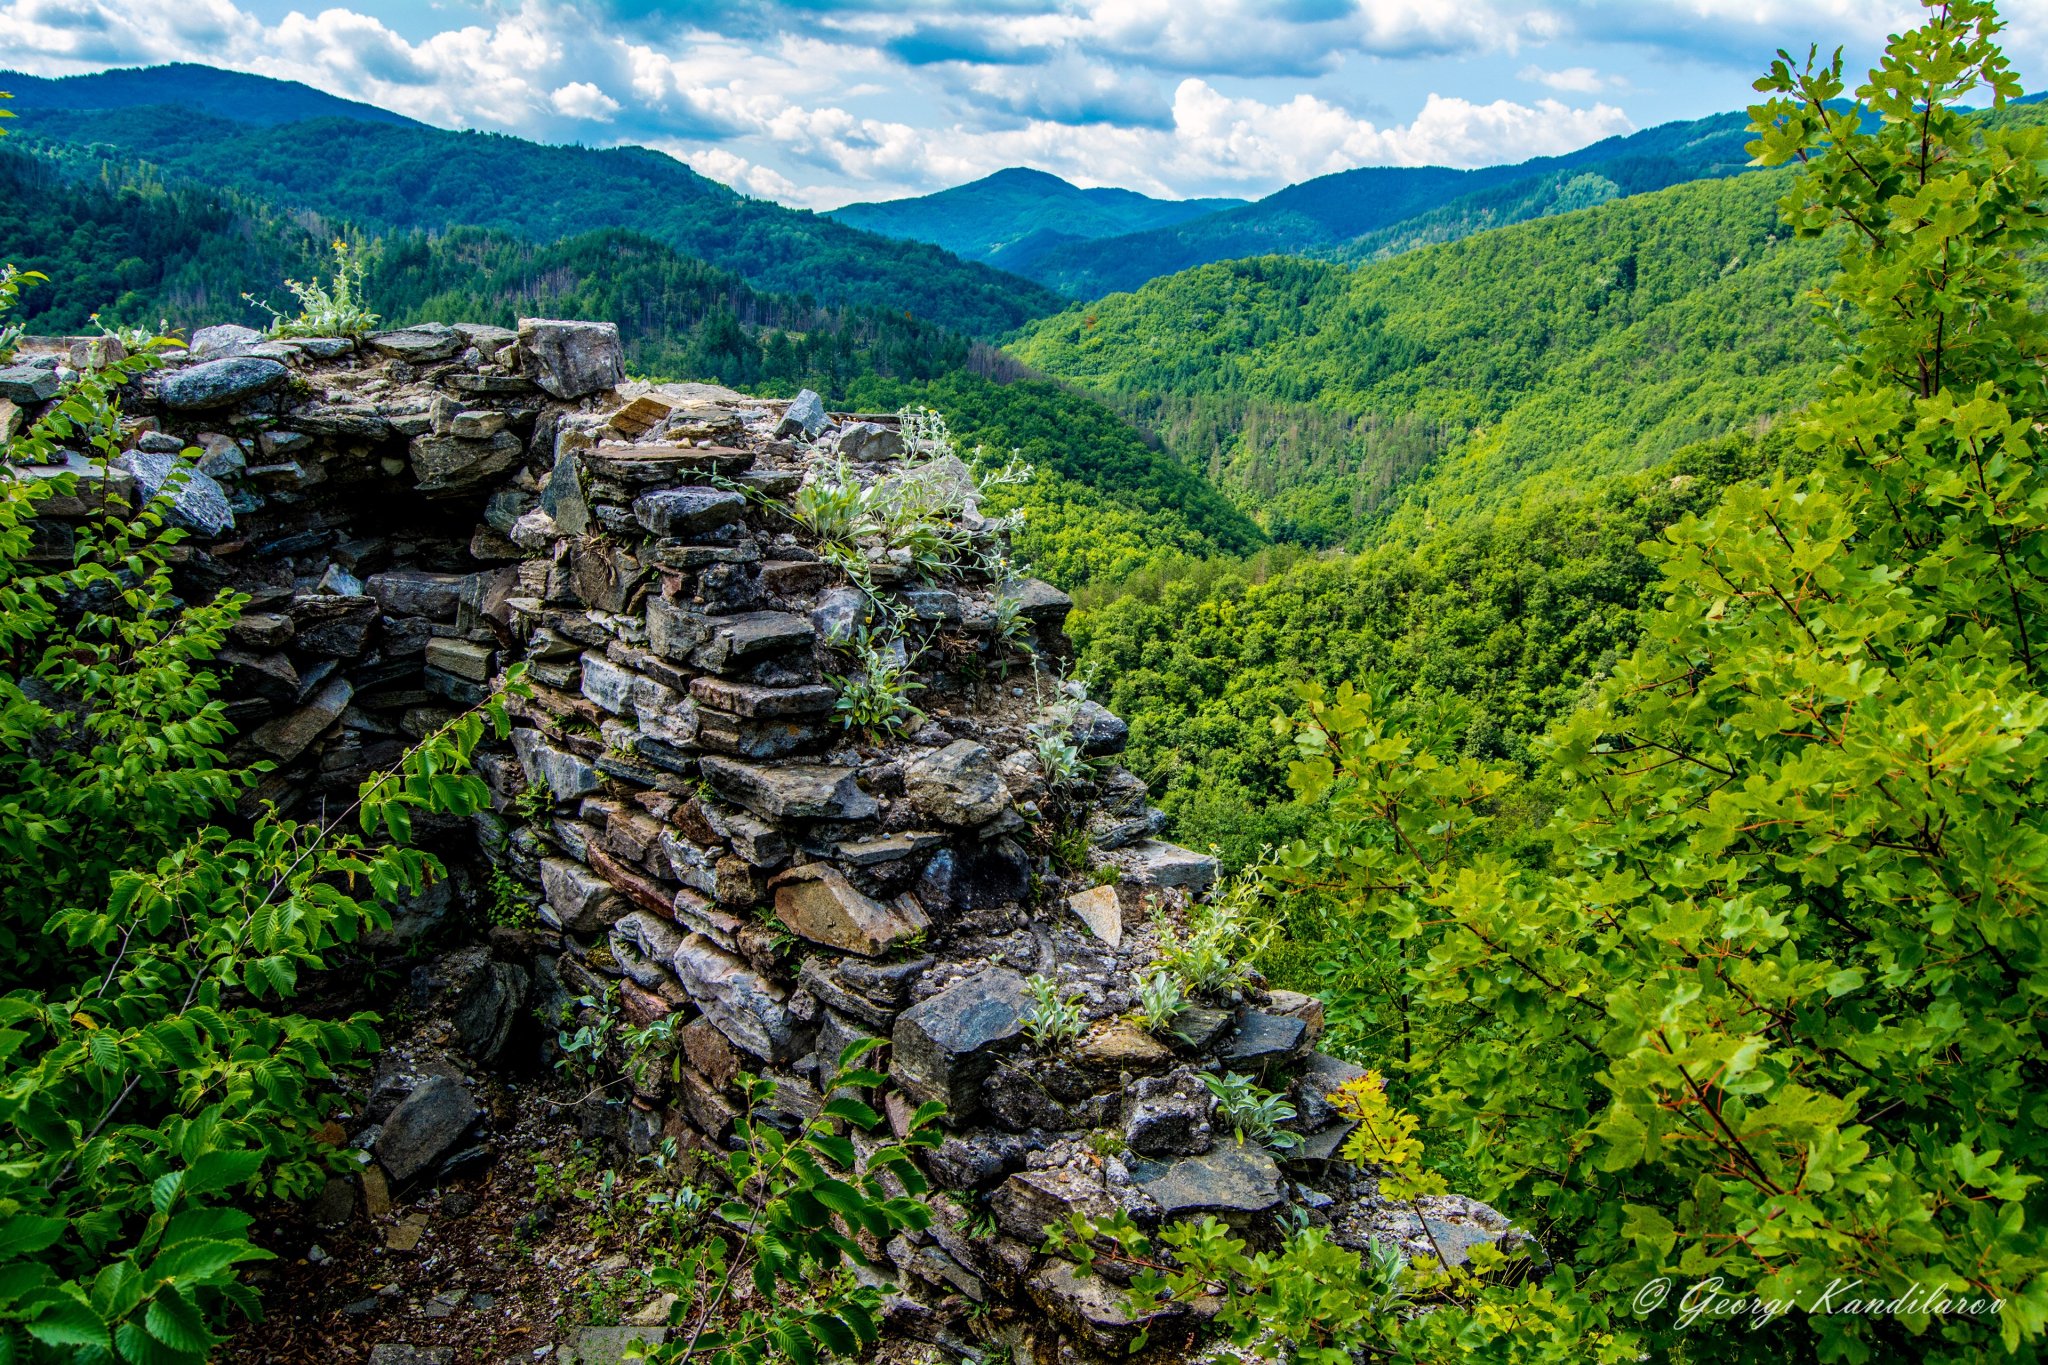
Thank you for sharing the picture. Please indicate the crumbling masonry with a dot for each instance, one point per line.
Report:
(702, 837)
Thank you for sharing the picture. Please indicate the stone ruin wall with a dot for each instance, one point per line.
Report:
(699, 834)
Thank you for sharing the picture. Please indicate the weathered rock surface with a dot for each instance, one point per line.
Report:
(571, 359)
(433, 1118)
(221, 383)
(793, 791)
(945, 1046)
(957, 785)
(1230, 1179)
(196, 501)
(817, 902)
(743, 1006)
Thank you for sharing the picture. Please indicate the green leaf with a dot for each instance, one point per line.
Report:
(24, 1234)
(835, 1336)
(222, 1170)
(853, 1111)
(69, 1322)
(172, 1320)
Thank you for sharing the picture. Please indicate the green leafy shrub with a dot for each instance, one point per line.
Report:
(151, 1085)
(1213, 958)
(1161, 1000)
(875, 699)
(326, 310)
(1252, 1112)
(797, 1209)
(1051, 1016)
(1764, 1009)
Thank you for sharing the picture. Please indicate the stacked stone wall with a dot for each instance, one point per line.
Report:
(703, 837)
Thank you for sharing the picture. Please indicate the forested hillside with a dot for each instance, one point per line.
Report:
(1457, 377)
(1376, 208)
(235, 96)
(1011, 218)
(399, 178)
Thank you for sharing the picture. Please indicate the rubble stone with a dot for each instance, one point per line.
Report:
(818, 903)
(571, 359)
(420, 1131)
(945, 1046)
(957, 785)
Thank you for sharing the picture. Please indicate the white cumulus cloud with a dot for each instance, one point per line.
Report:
(581, 99)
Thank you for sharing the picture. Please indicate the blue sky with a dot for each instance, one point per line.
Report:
(821, 102)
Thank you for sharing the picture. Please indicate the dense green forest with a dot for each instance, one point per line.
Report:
(1356, 213)
(1495, 626)
(397, 178)
(1327, 399)
(118, 243)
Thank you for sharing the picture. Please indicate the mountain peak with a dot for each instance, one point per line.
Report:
(235, 96)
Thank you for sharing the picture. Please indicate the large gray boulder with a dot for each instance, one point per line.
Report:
(946, 1046)
(28, 383)
(571, 359)
(219, 383)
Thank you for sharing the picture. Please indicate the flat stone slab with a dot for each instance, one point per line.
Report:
(737, 1000)
(764, 703)
(445, 464)
(1230, 1178)
(749, 635)
(289, 736)
(818, 903)
(429, 341)
(792, 791)
(665, 464)
(683, 512)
